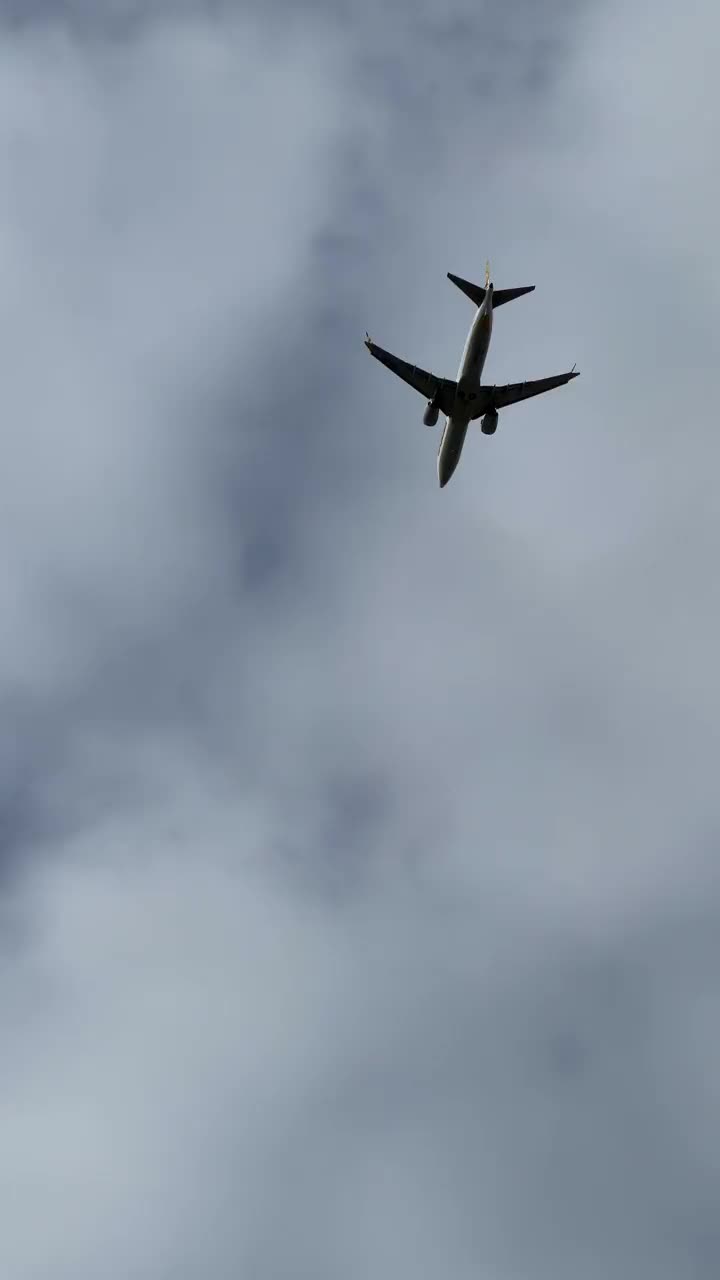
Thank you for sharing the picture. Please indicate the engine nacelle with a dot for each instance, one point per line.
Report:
(431, 413)
(489, 423)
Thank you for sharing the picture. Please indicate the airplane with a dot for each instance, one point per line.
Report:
(465, 400)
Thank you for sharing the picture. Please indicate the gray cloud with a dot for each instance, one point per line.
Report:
(363, 900)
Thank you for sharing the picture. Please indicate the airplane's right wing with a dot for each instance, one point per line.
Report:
(512, 392)
(441, 390)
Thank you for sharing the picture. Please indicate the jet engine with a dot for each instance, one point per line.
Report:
(430, 415)
(489, 423)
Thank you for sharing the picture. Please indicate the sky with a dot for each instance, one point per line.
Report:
(359, 890)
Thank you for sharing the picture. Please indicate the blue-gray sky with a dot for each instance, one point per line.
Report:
(360, 905)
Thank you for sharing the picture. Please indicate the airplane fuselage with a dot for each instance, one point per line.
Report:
(468, 383)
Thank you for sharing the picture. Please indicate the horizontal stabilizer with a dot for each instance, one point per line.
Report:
(476, 293)
(506, 295)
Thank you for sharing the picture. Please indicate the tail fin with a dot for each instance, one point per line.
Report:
(476, 293)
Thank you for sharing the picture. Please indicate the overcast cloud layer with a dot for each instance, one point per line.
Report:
(360, 906)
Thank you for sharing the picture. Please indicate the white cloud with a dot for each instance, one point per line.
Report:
(370, 924)
(155, 206)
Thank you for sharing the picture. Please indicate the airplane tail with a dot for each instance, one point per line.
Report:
(476, 293)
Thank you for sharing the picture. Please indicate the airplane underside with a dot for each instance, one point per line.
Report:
(451, 446)
(466, 399)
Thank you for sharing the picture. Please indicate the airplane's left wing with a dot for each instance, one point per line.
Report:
(512, 392)
(441, 390)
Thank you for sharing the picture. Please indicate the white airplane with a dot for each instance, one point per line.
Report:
(467, 399)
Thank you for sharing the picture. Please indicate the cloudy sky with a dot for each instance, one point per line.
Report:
(359, 892)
